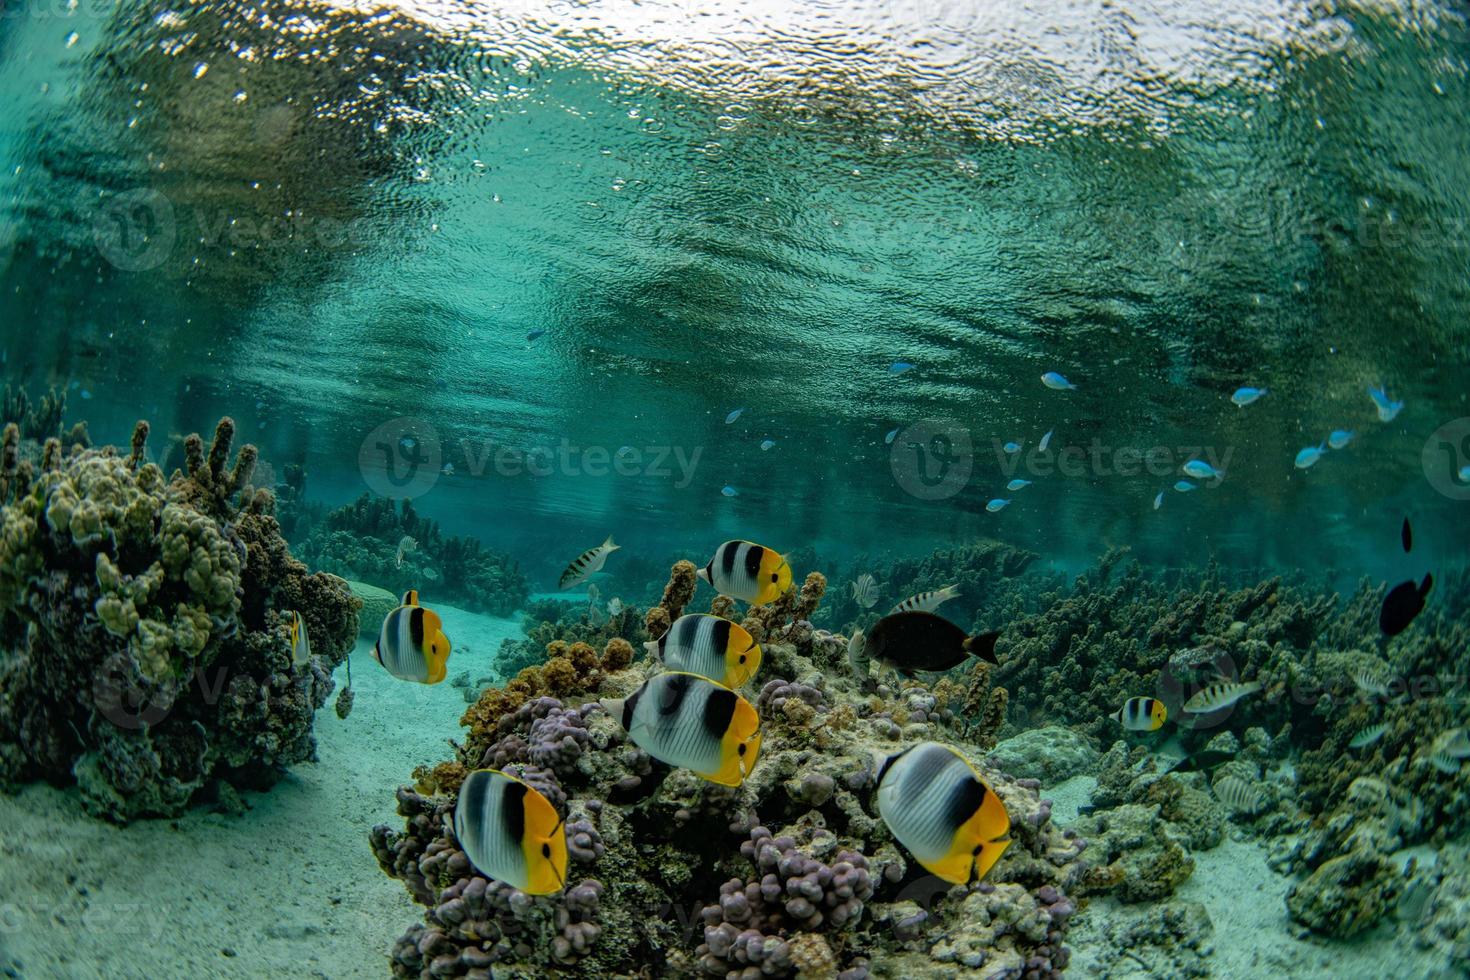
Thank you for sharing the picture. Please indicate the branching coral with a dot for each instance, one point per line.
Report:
(146, 624)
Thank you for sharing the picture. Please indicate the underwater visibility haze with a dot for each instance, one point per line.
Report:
(826, 489)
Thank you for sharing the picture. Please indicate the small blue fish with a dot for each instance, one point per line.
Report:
(1159, 500)
(1244, 396)
(1201, 470)
(767, 445)
(534, 335)
(997, 504)
(1340, 438)
(733, 415)
(899, 367)
(729, 491)
(1184, 486)
(1017, 484)
(1464, 474)
(86, 395)
(447, 469)
(1056, 382)
(1012, 447)
(888, 439)
(1309, 456)
(1045, 441)
(1387, 408)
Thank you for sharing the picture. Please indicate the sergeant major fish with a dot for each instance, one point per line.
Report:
(928, 601)
(587, 564)
(1213, 697)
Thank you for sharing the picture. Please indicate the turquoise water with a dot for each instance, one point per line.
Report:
(523, 263)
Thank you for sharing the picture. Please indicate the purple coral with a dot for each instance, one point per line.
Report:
(790, 892)
(777, 692)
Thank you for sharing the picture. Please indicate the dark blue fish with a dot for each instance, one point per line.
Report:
(1403, 603)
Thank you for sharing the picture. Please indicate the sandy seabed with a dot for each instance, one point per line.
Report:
(291, 889)
(288, 889)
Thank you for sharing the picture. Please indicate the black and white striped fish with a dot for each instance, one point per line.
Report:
(943, 812)
(928, 601)
(511, 832)
(690, 721)
(587, 564)
(743, 570)
(865, 591)
(710, 647)
(1142, 714)
(412, 645)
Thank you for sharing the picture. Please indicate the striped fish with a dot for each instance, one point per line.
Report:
(865, 591)
(1454, 743)
(1369, 681)
(710, 647)
(511, 833)
(1368, 736)
(1213, 697)
(300, 642)
(943, 812)
(1239, 795)
(690, 721)
(1141, 714)
(747, 571)
(928, 601)
(587, 564)
(411, 644)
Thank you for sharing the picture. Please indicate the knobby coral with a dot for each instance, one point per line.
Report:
(792, 873)
(143, 624)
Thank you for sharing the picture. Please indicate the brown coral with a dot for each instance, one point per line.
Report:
(677, 593)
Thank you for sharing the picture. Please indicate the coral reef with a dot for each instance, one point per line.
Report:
(376, 604)
(144, 627)
(790, 874)
(364, 541)
(983, 572)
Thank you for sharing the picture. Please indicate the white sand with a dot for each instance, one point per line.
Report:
(1253, 935)
(290, 887)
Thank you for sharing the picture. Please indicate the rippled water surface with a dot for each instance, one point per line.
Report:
(321, 218)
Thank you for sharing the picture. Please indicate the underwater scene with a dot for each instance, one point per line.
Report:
(682, 488)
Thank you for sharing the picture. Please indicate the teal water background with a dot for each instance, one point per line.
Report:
(320, 220)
